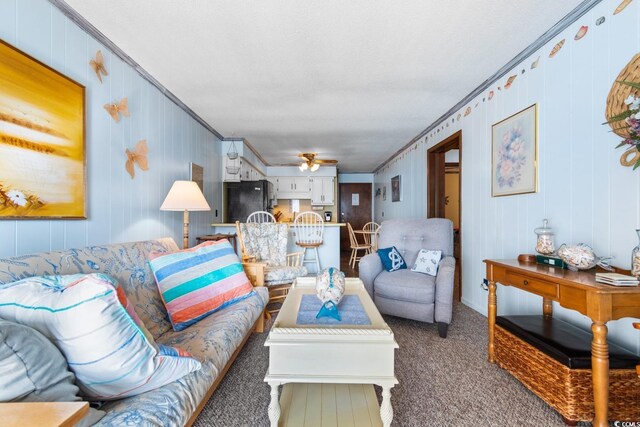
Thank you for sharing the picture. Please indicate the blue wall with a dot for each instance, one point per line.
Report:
(119, 208)
(582, 188)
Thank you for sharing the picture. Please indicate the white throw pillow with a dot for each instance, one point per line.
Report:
(427, 262)
(86, 317)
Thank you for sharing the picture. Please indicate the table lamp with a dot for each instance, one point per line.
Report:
(185, 196)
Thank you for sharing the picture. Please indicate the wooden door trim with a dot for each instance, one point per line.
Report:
(434, 165)
(452, 142)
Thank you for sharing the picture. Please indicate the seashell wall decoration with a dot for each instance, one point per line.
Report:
(510, 81)
(556, 48)
(581, 32)
(622, 6)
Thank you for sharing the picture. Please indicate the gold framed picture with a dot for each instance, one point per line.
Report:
(42, 140)
(514, 152)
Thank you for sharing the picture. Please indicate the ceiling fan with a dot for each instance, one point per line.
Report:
(310, 162)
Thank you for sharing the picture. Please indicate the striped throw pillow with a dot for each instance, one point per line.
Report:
(199, 281)
(90, 320)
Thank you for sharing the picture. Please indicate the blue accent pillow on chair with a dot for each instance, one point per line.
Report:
(391, 259)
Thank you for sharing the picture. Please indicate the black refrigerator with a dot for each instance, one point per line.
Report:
(246, 197)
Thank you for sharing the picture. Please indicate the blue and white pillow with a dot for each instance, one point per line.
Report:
(427, 262)
(85, 317)
(391, 259)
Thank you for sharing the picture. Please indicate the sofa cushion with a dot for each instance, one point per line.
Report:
(281, 275)
(125, 262)
(82, 315)
(212, 340)
(391, 259)
(427, 262)
(199, 281)
(405, 285)
(32, 369)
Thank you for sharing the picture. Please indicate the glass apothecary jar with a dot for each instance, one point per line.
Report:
(635, 258)
(544, 244)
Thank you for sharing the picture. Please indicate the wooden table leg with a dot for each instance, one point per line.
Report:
(274, 405)
(386, 410)
(493, 303)
(547, 307)
(600, 373)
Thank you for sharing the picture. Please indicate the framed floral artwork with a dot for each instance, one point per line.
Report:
(42, 140)
(514, 148)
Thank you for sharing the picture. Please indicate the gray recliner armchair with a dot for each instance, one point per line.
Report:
(407, 294)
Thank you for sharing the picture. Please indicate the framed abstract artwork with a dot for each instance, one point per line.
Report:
(514, 148)
(42, 140)
(396, 190)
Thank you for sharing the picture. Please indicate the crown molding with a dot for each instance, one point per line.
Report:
(560, 26)
(85, 25)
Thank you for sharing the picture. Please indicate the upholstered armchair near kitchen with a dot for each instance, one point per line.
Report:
(405, 293)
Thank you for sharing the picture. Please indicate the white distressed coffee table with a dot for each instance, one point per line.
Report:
(337, 354)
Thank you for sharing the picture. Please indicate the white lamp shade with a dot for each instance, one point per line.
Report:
(315, 167)
(185, 196)
(303, 167)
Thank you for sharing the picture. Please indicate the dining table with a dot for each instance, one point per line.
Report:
(370, 238)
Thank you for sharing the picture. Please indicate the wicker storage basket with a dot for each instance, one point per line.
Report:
(620, 92)
(566, 390)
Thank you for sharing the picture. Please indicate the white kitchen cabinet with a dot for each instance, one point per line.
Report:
(293, 187)
(322, 191)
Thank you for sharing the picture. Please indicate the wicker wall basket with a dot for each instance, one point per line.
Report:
(620, 92)
(568, 391)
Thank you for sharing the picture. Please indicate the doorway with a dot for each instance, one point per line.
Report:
(444, 196)
(355, 208)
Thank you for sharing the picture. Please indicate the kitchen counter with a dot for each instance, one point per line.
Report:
(329, 251)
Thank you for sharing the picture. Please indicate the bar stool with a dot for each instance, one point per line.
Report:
(309, 229)
(260, 217)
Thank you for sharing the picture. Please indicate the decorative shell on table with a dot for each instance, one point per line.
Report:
(578, 257)
(330, 285)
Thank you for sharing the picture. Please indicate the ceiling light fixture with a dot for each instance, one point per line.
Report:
(315, 167)
(304, 166)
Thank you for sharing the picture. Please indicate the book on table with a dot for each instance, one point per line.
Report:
(616, 279)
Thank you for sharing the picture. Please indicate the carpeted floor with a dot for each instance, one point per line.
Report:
(442, 382)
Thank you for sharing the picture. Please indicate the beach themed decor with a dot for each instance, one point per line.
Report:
(330, 290)
(138, 157)
(544, 242)
(635, 258)
(98, 67)
(556, 48)
(514, 149)
(623, 112)
(42, 130)
(115, 109)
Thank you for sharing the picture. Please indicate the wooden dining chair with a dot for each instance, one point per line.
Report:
(260, 217)
(355, 247)
(370, 237)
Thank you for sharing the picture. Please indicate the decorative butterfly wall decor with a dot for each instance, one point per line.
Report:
(98, 66)
(116, 109)
(139, 157)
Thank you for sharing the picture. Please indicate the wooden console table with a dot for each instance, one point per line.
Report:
(576, 291)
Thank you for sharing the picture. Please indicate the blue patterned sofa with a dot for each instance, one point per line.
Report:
(215, 340)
